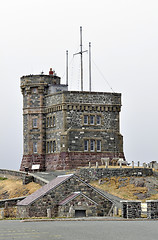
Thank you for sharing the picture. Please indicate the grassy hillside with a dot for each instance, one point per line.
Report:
(12, 187)
(130, 188)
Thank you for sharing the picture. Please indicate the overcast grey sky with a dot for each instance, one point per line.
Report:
(34, 36)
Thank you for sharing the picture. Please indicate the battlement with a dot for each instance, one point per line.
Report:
(37, 80)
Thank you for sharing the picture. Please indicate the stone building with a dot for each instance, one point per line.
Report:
(65, 196)
(66, 129)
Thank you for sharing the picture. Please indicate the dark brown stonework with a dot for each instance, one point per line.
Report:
(29, 160)
(73, 160)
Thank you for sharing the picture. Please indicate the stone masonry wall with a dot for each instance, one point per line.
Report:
(131, 209)
(51, 199)
(70, 130)
(92, 174)
(11, 202)
(152, 209)
(80, 203)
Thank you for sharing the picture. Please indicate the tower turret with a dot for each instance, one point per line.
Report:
(34, 89)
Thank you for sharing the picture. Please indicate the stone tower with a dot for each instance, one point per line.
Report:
(66, 129)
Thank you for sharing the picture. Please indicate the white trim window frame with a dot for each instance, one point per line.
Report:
(92, 118)
(86, 145)
(85, 119)
(98, 120)
(92, 145)
(98, 145)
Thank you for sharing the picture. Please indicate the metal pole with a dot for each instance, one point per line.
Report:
(67, 67)
(90, 66)
(81, 53)
(81, 59)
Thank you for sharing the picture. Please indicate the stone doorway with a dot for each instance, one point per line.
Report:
(80, 213)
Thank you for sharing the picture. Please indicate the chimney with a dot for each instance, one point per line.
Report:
(51, 72)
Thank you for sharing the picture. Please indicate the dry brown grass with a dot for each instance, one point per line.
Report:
(13, 187)
(126, 191)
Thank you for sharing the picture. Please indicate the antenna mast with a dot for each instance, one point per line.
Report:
(81, 53)
(90, 80)
(67, 67)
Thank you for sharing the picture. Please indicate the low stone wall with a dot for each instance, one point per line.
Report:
(152, 209)
(131, 209)
(92, 174)
(10, 202)
(12, 173)
(30, 177)
(38, 179)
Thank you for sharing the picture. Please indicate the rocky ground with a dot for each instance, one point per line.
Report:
(130, 188)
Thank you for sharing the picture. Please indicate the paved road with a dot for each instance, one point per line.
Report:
(50, 175)
(80, 230)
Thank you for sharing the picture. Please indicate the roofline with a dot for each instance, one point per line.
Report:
(70, 175)
(79, 193)
(95, 189)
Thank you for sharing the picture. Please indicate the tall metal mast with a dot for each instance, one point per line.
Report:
(90, 80)
(67, 67)
(81, 53)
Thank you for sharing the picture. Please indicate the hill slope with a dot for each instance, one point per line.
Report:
(130, 188)
(12, 187)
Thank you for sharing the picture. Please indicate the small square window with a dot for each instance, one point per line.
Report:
(98, 120)
(85, 119)
(85, 145)
(92, 120)
(34, 90)
(98, 145)
(92, 146)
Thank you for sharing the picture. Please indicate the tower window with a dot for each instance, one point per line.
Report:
(92, 120)
(85, 119)
(34, 90)
(34, 123)
(98, 145)
(85, 145)
(98, 120)
(53, 121)
(54, 146)
(51, 146)
(34, 147)
(92, 146)
(47, 124)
